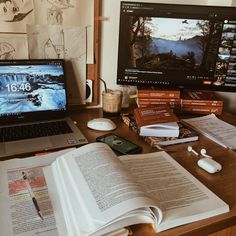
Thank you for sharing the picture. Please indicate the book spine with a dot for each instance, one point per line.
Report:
(170, 104)
(158, 94)
(200, 95)
(129, 120)
(201, 102)
(150, 100)
(157, 103)
(202, 109)
(137, 118)
(149, 141)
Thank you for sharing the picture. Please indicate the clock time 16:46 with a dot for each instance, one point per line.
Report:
(23, 87)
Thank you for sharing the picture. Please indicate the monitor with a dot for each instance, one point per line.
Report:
(177, 46)
(32, 88)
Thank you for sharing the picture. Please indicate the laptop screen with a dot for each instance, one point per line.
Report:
(30, 88)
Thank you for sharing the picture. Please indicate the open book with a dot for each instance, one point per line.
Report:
(94, 192)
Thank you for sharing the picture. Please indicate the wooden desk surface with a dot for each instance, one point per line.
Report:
(222, 184)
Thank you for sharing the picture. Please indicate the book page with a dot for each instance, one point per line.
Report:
(181, 197)
(217, 130)
(94, 177)
(18, 213)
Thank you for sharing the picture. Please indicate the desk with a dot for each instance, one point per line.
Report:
(222, 184)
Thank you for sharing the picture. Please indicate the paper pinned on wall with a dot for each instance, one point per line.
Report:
(56, 41)
(86, 18)
(13, 46)
(62, 42)
(76, 83)
(68, 13)
(56, 12)
(14, 15)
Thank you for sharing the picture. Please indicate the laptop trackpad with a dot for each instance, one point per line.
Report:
(24, 146)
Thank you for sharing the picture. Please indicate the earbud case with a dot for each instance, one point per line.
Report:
(209, 165)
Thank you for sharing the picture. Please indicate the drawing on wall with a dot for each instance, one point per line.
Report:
(7, 51)
(56, 41)
(13, 10)
(13, 47)
(54, 50)
(14, 13)
(55, 12)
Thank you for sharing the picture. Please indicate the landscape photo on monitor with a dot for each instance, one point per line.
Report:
(157, 43)
(26, 88)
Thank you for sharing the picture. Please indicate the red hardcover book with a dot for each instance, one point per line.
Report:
(156, 121)
(172, 103)
(217, 110)
(200, 98)
(150, 100)
(157, 93)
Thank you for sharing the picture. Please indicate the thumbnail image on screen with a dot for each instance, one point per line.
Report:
(174, 44)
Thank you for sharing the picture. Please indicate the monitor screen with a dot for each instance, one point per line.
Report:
(28, 87)
(177, 46)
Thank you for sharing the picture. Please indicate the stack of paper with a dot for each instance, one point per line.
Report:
(215, 129)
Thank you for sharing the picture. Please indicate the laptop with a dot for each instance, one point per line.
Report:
(34, 108)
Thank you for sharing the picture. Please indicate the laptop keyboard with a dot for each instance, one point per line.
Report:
(33, 131)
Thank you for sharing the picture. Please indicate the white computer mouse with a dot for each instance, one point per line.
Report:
(101, 124)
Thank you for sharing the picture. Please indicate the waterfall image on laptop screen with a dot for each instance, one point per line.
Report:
(29, 88)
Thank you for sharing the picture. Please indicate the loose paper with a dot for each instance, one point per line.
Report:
(68, 13)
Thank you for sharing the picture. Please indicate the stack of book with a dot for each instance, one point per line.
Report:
(156, 97)
(195, 102)
(186, 134)
(201, 102)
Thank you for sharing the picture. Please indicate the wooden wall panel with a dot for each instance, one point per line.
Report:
(93, 69)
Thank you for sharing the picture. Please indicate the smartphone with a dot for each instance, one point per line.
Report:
(119, 144)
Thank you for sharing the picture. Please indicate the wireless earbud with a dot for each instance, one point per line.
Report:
(203, 153)
(190, 149)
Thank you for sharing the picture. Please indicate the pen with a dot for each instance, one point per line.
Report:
(32, 195)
